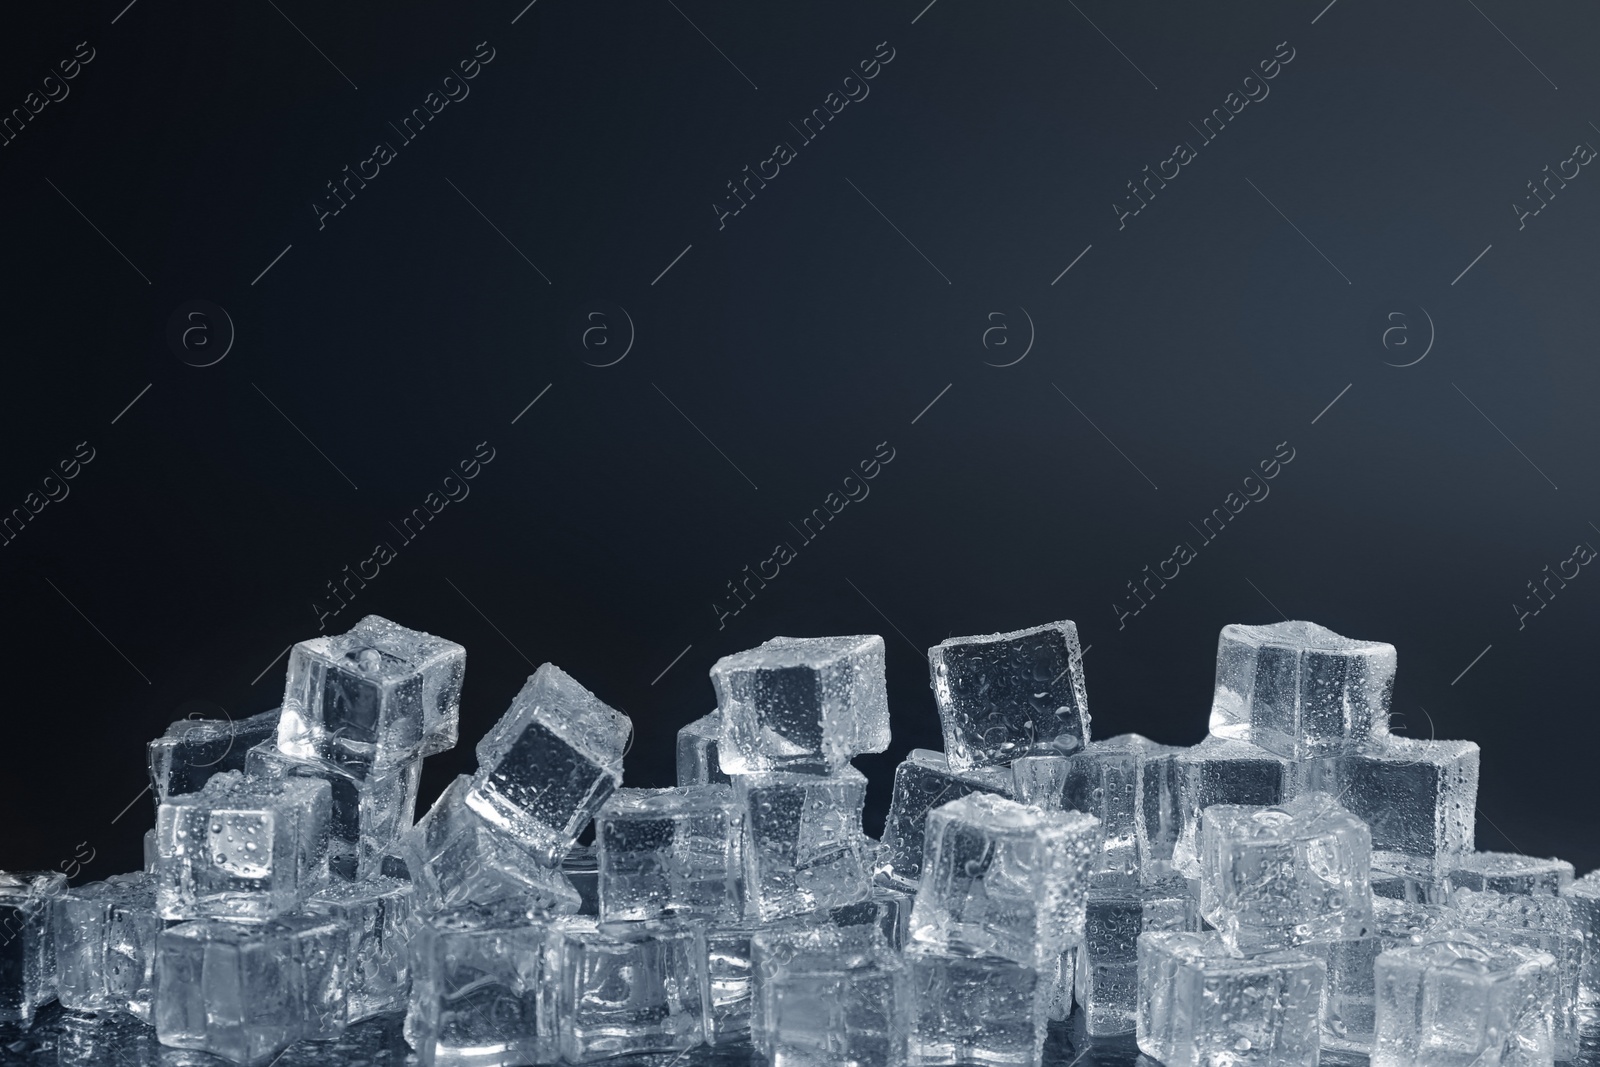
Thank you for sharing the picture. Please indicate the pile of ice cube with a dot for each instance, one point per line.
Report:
(1300, 880)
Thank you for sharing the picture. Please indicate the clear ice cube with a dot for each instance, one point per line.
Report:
(185, 757)
(1348, 997)
(697, 752)
(1220, 771)
(803, 847)
(377, 915)
(1002, 696)
(1510, 872)
(801, 701)
(670, 852)
(627, 988)
(1583, 897)
(922, 782)
(836, 1009)
(381, 692)
(1545, 923)
(581, 865)
(973, 1009)
(27, 949)
(1280, 877)
(105, 944)
(1108, 959)
(1201, 1006)
(546, 767)
(1004, 879)
(770, 949)
(1299, 689)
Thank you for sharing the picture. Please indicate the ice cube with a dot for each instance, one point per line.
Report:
(105, 943)
(973, 1009)
(27, 950)
(922, 782)
(1419, 798)
(241, 848)
(381, 693)
(1545, 923)
(1004, 879)
(377, 915)
(1511, 872)
(1299, 689)
(1108, 959)
(477, 973)
(801, 701)
(627, 988)
(1583, 897)
(771, 948)
(887, 909)
(803, 848)
(454, 858)
(1199, 1005)
(546, 767)
(185, 757)
(1456, 1000)
(371, 805)
(697, 752)
(245, 991)
(1409, 888)
(836, 1009)
(1281, 877)
(670, 852)
(1219, 771)
(1062, 978)
(1348, 996)
(730, 983)
(1001, 696)
(581, 865)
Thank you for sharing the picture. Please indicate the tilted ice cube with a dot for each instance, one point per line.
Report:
(803, 847)
(1108, 958)
(1219, 771)
(546, 767)
(626, 988)
(380, 692)
(477, 977)
(1128, 782)
(1001, 696)
(836, 1009)
(921, 783)
(1199, 1005)
(185, 757)
(1539, 922)
(1583, 897)
(1280, 877)
(697, 752)
(245, 991)
(454, 858)
(801, 701)
(974, 1009)
(1419, 798)
(241, 848)
(27, 949)
(1456, 1000)
(105, 944)
(1004, 879)
(670, 852)
(371, 805)
(1348, 997)
(1299, 689)
(377, 915)
(1510, 872)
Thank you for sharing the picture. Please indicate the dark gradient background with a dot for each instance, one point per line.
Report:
(778, 352)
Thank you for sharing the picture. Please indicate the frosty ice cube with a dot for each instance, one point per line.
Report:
(241, 848)
(27, 949)
(836, 1009)
(185, 757)
(381, 693)
(973, 1009)
(697, 752)
(1539, 922)
(1201, 1006)
(669, 852)
(454, 858)
(1219, 771)
(1419, 798)
(1456, 1000)
(627, 988)
(245, 991)
(546, 767)
(922, 782)
(1510, 872)
(1583, 897)
(1004, 879)
(1348, 996)
(370, 804)
(1299, 689)
(1108, 959)
(801, 701)
(377, 915)
(105, 942)
(1285, 876)
(1001, 696)
(803, 846)
(476, 978)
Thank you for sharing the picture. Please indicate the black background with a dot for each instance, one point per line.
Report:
(381, 349)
